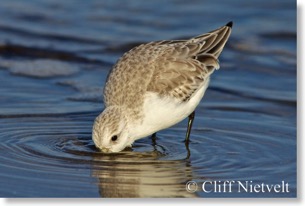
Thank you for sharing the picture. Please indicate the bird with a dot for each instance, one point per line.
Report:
(155, 86)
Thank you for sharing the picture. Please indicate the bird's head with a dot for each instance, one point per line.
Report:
(110, 133)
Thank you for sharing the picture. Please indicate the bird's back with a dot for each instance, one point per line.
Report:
(172, 68)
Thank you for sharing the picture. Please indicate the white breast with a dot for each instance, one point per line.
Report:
(161, 113)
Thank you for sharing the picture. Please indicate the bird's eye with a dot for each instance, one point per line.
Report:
(114, 138)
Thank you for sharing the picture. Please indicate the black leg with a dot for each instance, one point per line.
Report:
(188, 150)
(153, 139)
(189, 127)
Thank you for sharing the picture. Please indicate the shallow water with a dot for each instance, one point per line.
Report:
(55, 56)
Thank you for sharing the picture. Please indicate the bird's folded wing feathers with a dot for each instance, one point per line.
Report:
(185, 65)
(180, 77)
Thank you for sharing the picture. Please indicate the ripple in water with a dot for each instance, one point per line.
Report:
(55, 156)
(40, 68)
(55, 153)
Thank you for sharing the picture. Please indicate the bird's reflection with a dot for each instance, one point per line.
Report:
(142, 174)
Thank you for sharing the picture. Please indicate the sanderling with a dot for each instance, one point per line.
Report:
(156, 85)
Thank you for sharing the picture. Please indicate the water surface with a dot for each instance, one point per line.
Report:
(54, 59)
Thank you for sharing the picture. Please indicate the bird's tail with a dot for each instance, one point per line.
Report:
(214, 41)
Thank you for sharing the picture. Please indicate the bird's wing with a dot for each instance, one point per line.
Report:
(185, 65)
(180, 78)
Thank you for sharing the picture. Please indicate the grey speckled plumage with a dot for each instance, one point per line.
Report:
(175, 68)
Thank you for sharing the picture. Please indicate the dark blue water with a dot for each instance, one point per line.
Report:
(55, 56)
